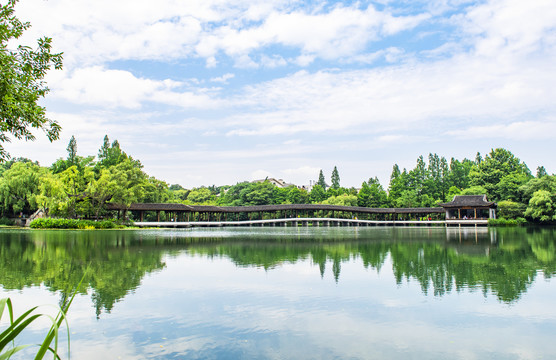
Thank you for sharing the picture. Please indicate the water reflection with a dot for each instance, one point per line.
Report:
(394, 293)
(504, 262)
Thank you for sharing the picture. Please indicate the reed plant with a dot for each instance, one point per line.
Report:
(17, 325)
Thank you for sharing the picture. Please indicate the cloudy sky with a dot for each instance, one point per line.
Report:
(217, 92)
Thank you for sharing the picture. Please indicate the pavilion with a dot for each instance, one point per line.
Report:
(469, 207)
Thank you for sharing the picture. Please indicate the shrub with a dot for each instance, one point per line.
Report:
(510, 210)
(507, 222)
(6, 221)
(50, 223)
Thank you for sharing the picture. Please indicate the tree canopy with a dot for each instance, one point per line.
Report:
(22, 82)
(83, 186)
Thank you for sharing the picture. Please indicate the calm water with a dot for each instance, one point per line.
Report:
(284, 293)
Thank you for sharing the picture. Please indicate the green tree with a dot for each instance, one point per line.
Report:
(72, 151)
(547, 183)
(130, 182)
(51, 194)
(156, 191)
(542, 207)
(364, 195)
(18, 186)
(458, 174)
(474, 190)
(498, 164)
(317, 194)
(408, 199)
(335, 179)
(321, 182)
(541, 171)
(342, 200)
(104, 151)
(372, 194)
(508, 209)
(379, 197)
(22, 82)
(297, 196)
(101, 190)
(259, 193)
(399, 182)
(200, 195)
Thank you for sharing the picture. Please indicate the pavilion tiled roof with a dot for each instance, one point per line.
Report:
(469, 201)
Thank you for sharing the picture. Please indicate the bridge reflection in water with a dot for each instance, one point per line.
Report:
(292, 215)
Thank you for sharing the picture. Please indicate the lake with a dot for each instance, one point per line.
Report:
(291, 293)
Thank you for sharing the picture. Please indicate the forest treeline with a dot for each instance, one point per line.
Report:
(81, 187)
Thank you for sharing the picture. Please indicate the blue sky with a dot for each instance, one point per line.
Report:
(215, 92)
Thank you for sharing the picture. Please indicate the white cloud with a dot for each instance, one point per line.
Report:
(520, 130)
(260, 174)
(172, 29)
(223, 79)
(118, 88)
(306, 170)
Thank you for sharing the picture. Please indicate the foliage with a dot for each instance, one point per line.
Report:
(322, 182)
(317, 194)
(335, 179)
(16, 326)
(507, 222)
(500, 173)
(342, 200)
(50, 223)
(21, 83)
(542, 207)
(372, 194)
(18, 187)
(510, 209)
(541, 171)
(474, 190)
(6, 222)
(84, 189)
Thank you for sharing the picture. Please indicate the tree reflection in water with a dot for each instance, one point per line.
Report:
(502, 261)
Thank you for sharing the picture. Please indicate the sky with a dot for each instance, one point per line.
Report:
(207, 92)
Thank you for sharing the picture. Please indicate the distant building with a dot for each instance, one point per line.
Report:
(277, 182)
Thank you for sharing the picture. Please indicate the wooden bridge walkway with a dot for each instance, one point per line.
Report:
(314, 222)
(181, 215)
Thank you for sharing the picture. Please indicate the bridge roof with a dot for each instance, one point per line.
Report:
(270, 208)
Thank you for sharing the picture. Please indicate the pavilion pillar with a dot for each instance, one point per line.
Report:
(492, 213)
(158, 215)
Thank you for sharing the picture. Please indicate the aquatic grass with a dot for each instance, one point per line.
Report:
(16, 327)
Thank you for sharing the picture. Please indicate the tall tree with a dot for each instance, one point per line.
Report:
(322, 181)
(335, 179)
(541, 171)
(103, 153)
(500, 173)
(22, 82)
(72, 151)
